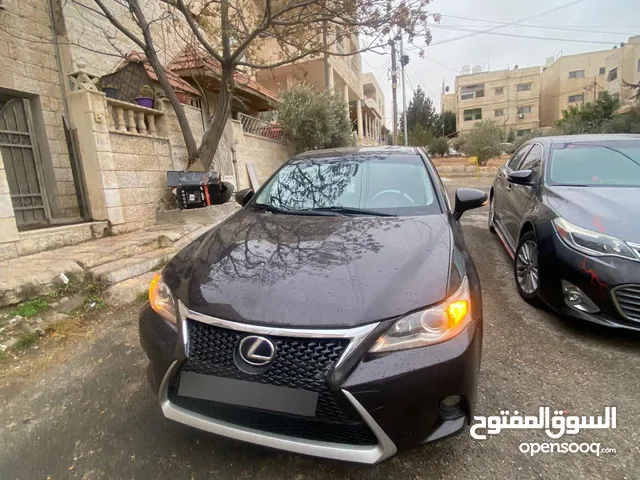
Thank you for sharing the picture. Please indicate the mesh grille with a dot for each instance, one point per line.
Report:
(628, 299)
(301, 363)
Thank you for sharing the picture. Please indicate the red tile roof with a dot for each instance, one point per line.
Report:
(176, 82)
(193, 59)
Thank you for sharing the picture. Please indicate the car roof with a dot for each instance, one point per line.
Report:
(585, 138)
(349, 151)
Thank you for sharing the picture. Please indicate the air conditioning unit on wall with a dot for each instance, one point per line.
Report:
(520, 116)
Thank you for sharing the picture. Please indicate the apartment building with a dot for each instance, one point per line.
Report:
(360, 92)
(508, 97)
(524, 99)
(373, 110)
(572, 80)
(623, 66)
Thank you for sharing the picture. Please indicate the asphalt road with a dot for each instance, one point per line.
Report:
(88, 413)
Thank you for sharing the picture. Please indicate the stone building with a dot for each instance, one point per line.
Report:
(72, 158)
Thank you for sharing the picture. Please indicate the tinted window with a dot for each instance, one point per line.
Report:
(517, 157)
(533, 161)
(609, 163)
(398, 184)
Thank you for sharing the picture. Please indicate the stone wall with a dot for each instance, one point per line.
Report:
(174, 133)
(140, 170)
(265, 155)
(29, 70)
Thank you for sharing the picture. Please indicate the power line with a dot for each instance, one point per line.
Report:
(449, 40)
(504, 34)
(576, 28)
(441, 64)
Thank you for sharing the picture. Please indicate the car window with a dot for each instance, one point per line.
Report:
(602, 163)
(398, 184)
(517, 158)
(533, 161)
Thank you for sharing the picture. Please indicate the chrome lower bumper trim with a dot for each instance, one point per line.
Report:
(351, 453)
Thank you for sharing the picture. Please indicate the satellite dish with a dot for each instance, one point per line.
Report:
(476, 69)
(446, 89)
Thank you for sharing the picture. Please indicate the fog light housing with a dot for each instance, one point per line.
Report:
(577, 299)
(451, 407)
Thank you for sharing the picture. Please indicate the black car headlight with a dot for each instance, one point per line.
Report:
(161, 299)
(431, 326)
(590, 242)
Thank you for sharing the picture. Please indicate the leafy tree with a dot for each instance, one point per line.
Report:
(313, 120)
(588, 118)
(419, 112)
(483, 141)
(624, 123)
(234, 32)
(449, 120)
(439, 146)
(420, 136)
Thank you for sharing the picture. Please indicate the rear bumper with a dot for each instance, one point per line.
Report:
(396, 395)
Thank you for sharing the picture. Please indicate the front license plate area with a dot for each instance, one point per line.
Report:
(248, 394)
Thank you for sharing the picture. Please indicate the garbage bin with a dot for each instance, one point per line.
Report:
(196, 189)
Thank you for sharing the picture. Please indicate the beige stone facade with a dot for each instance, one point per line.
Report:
(508, 97)
(571, 80)
(623, 66)
(30, 71)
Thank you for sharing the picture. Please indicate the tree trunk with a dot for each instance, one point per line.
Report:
(187, 134)
(212, 136)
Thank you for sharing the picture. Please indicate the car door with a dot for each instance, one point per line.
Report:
(501, 185)
(517, 197)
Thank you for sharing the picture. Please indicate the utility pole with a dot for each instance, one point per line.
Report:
(403, 61)
(394, 88)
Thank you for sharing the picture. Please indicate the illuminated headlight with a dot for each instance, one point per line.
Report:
(428, 327)
(590, 242)
(161, 300)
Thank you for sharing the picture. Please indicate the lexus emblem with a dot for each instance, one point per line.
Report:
(257, 351)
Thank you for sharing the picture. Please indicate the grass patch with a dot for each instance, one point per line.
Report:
(94, 302)
(26, 341)
(31, 308)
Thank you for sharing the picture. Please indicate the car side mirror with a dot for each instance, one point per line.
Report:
(521, 177)
(243, 196)
(467, 199)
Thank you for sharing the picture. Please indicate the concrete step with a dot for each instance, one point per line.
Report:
(129, 290)
(45, 239)
(129, 267)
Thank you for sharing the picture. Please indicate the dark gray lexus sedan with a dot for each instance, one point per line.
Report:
(338, 314)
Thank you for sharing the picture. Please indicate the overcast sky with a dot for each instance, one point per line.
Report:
(582, 20)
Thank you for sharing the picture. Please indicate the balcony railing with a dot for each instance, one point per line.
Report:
(262, 128)
(130, 118)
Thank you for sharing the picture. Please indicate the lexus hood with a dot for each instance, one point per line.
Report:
(611, 210)
(313, 271)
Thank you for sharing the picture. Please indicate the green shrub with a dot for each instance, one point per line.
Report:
(483, 141)
(438, 147)
(314, 120)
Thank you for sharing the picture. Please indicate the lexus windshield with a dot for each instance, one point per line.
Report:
(352, 185)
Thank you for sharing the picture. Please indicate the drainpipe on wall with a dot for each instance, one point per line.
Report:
(76, 164)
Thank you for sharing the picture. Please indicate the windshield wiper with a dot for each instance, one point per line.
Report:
(351, 211)
(285, 211)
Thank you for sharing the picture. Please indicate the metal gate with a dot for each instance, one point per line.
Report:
(22, 163)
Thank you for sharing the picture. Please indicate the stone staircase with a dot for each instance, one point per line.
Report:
(125, 264)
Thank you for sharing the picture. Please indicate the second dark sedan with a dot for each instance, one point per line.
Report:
(567, 210)
(338, 314)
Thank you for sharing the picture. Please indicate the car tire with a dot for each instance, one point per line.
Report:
(526, 269)
(492, 214)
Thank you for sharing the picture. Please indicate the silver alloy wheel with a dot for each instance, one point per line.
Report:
(527, 267)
